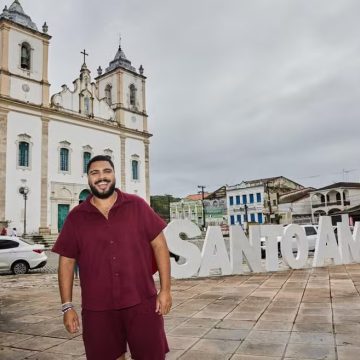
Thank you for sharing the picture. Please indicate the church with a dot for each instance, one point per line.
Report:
(46, 142)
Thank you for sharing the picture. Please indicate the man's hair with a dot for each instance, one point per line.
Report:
(99, 158)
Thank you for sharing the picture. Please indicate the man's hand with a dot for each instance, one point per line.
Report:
(71, 321)
(163, 302)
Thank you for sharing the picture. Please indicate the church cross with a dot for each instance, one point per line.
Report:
(85, 54)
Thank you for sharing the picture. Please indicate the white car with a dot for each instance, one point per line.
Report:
(311, 235)
(19, 255)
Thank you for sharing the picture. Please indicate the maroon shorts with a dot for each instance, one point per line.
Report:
(106, 333)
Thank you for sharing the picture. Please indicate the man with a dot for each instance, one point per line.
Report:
(116, 239)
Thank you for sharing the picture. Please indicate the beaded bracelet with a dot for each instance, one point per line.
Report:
(66, 307)
(66, 310)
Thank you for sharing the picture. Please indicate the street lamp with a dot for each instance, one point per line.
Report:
(24, 190)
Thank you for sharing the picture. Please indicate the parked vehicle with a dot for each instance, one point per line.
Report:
(311, 235)
(20, 255)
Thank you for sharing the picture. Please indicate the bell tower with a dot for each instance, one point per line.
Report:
(23, 57)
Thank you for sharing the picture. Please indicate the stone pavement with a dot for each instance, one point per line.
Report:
(292, 314)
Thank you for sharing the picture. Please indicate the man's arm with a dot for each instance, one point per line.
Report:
(66, 278)
(161, 252)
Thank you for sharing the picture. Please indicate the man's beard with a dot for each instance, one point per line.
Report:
(102, 195)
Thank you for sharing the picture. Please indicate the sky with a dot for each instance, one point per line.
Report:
(236, 90)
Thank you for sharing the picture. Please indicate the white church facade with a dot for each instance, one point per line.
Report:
(45, 143)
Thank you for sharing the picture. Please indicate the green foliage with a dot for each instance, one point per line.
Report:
(161, 205)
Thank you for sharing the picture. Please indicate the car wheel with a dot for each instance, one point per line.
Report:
(20, 267)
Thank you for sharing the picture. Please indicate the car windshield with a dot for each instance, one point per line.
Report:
(27, 241)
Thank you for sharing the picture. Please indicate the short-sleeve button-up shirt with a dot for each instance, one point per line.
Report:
(114, 255)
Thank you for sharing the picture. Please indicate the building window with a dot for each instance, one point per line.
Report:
(238, 219)
(64, 156)
(108, 94)
(251, 200)
(86, 159)
(252, 217)
(132, 94)
(135, 169)
(64, 159)
(87, 106)
(232, 220)
(260, 218)
(23, 151)
(258, 197)
(237, 199)
(274, 202)
(25, 60)
(23, 154)
(231, 200)
(244, 200)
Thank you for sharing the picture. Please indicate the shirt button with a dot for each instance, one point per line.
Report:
(116, 274)
(111, 242)
(114, 258)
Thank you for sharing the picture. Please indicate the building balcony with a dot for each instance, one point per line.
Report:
(331, 203)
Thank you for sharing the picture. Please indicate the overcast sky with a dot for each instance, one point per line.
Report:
(236, 90)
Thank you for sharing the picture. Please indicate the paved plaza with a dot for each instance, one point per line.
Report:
(291, 314)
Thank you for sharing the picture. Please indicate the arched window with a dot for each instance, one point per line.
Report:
(25, 56)
(64, 159)
(132, 94)
(23, 154)
(108, 94)
(135, 169)
(87, 106)
(86, 159)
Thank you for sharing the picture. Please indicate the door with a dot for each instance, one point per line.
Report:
(63, 210)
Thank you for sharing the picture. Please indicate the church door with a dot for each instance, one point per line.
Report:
(63, 210)
(83, 195)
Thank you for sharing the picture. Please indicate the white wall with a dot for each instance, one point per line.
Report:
(34, 95)
(79, 137)
(31, 125)
(133, 146)
(132, 79)
(134, 121)
(16, 38)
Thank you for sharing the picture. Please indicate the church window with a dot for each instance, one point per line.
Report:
(87, 106)
(135, 164)
(135, 169)
(64, 159)
(23, 151)
(108, 94)
(132, 95)
(23, 154)
(86, 159)
(25, 56)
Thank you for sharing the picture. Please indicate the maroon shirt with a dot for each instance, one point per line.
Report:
(115, 256)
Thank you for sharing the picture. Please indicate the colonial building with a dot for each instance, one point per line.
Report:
(191, 208)
(334, 199)
(295, 207)
(257, 200)
(45, 144)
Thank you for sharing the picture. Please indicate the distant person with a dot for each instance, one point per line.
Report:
(3, 231)
(14, 232)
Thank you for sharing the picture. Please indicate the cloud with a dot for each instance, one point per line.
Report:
(236, 89)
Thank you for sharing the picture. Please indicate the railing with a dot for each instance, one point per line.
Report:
(318, 205)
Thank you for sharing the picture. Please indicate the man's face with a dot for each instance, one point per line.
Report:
(101, 178)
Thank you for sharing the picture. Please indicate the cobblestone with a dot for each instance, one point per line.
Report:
(311, 313)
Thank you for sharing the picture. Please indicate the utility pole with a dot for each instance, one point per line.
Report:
(202, 187)
(269, 201)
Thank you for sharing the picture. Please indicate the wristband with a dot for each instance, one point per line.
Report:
(66, 310)
(66, 307)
